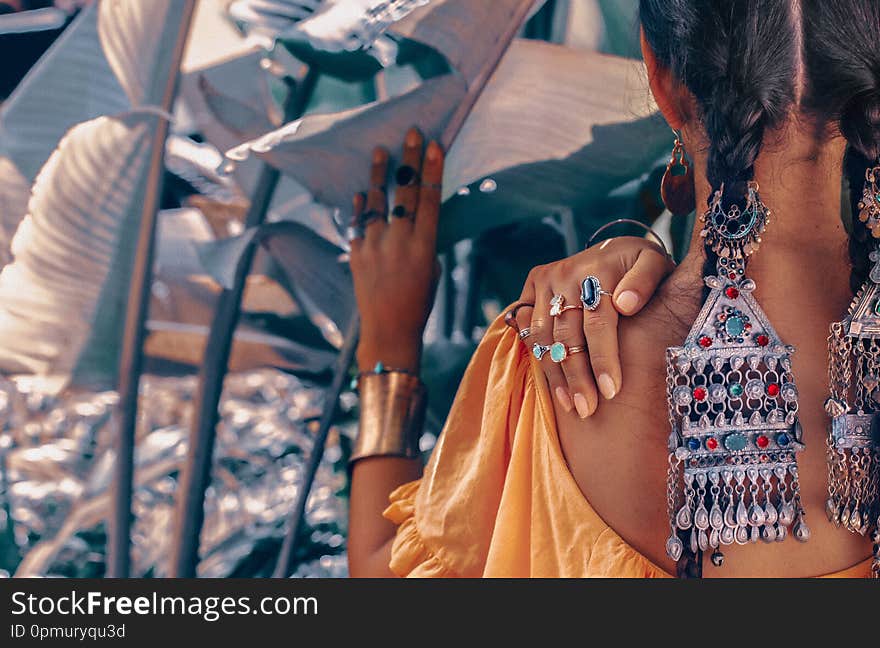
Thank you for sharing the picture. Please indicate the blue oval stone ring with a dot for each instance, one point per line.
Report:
(591, 293)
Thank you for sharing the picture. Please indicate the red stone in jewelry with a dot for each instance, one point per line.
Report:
(700, 394)
(762, 340)
(732, 292)
(712, 443)
(705, 341)
(762, 441)
(773, 390)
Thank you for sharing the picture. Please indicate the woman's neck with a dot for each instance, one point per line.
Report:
(802, 260)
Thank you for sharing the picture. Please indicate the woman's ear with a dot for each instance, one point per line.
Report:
(663, 86)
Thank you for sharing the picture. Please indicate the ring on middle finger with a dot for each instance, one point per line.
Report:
(591, 293)
(558, 307)
(401, 211)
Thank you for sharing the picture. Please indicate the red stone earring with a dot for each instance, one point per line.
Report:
(677, 188)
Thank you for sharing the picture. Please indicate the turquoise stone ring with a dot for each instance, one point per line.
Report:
(559, 352)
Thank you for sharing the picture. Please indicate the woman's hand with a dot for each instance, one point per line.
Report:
(631, 268)
(394, 264)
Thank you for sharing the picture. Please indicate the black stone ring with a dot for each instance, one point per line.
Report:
(406, 176)
(400, 211)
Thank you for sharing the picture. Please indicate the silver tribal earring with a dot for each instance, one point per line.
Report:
(854, 405)
(733, 406)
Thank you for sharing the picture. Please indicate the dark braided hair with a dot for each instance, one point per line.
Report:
(739, 60)
(842, 56)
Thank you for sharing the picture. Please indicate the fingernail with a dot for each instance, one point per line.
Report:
(628, 301)
(582, 406)
(412, 137)
(378, 155)
(607, 386)
(433, 152)
(563, 398)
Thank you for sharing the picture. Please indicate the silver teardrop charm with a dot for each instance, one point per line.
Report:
(694, 545)
(844, 517)
(756, 515)
(781, 532)
(786, 513)
(833, 512)
(771, 516)
(855, 521)
(742, 515)
(701, 518)
(683, 519)
(741, 535)
(716, 517)
(703, 540)
(730, 516)
(714, 538)
(727, 535)
(754, 534)
(768, 533)
(801, 531)
(674, 547)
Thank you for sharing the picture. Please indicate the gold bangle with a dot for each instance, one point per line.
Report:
(392, 415)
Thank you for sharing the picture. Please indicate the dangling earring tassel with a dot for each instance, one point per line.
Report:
(854, 405)
(677, 187)
(733, 406)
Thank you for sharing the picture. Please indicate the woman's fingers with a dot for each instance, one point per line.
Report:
(568, 329)
(600, 328)
(541, 328)
(407, 179)
(640, 283)
(428, 210)
(375, 217)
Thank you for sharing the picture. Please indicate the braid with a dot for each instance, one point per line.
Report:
(738, 58)
(842, 53)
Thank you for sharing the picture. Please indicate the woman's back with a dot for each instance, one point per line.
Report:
(619, 457)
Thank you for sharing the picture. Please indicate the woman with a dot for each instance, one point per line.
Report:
(529, 478)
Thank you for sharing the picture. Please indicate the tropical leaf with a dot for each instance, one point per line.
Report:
(62, 299)
(326, 153)
(80, 232)
(114, 57)
(312, 267)
(556, 128)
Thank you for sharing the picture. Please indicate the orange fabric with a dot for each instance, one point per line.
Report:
(497, 498)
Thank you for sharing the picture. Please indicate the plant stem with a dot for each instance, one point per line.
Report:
(131, 355)
(285, 562)
(196, 474)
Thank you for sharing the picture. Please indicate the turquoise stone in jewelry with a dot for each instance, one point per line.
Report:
(734, 326)
(538, 350)
(735, 442)
(736, 390)
(379, 368)
(558, 352)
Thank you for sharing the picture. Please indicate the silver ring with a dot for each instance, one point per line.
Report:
(591, 293)
(526, 332)
(539, 350)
